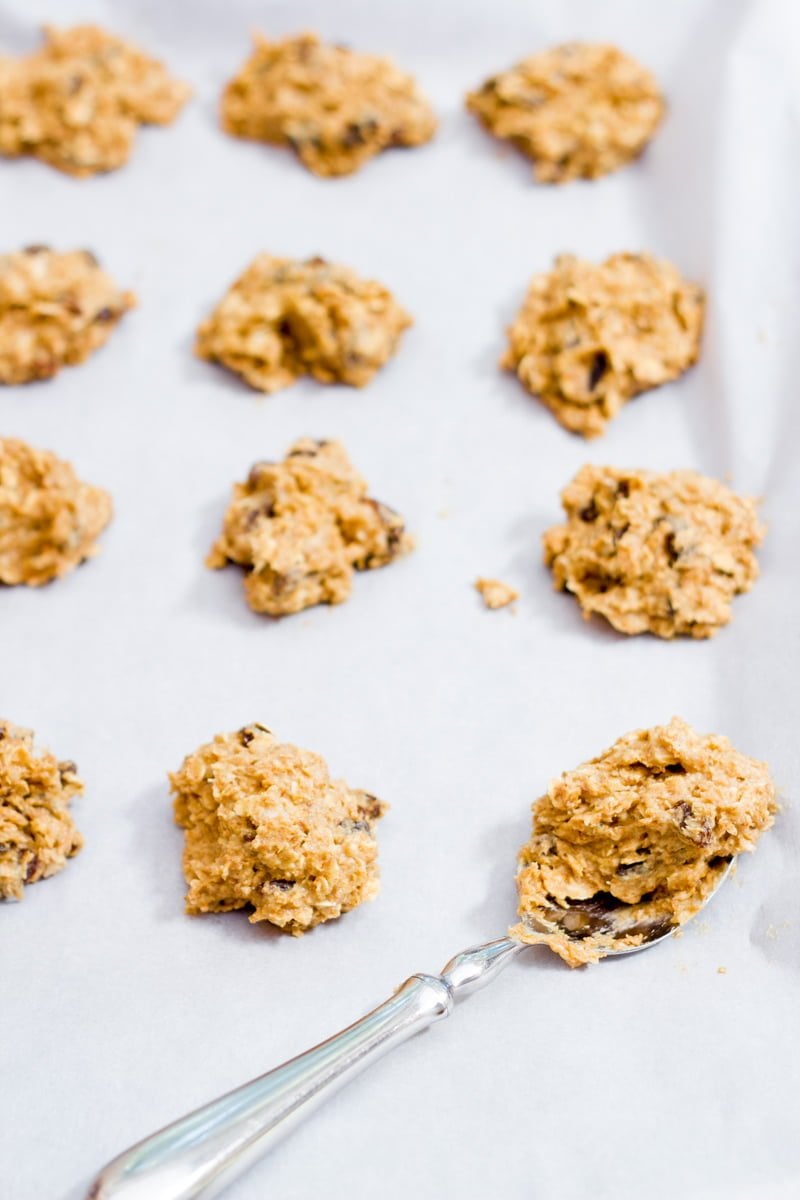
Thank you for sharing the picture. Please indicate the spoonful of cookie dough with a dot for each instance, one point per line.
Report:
(625, 849)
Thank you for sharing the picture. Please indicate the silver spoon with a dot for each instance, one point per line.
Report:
(200, 1154)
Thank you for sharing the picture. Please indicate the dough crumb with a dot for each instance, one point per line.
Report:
(37, 833)
(495, 593)
(631, 843)
(49, 519)
(590, 337)
(283, 318)
(303, 526)
(78, 102)
(649, 552)
(55, 310)
(578, 111)
(268, 829)
(334, 107)
(722, 970)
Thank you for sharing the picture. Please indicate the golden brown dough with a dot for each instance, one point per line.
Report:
(334, 107)
(268, 829)
(78, 102)
(579, 111)
(646, 829)
(303, 526)
(664, 553)
(589, 337)
(37, 833)
(495, 593)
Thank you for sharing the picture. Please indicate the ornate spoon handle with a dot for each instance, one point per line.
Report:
(200, 1154)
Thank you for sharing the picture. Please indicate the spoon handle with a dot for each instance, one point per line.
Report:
(200, 1154)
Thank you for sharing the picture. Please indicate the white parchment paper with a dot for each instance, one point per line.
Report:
(654, 1076)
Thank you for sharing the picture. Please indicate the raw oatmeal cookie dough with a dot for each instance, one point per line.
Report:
(664, 553)
(590, 337)
(578, 111)
(268, 829)
(78, 102)
(334, 107)
(55, 310)
(303, 526)
(37, 833)
(49, 519)
(495, 593)
(284, 318)
(634, 841)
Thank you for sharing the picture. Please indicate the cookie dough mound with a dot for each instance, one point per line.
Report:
(282, 319)
(267, 828)
(659, 553)
(334, 107)
(37, 833)
(55, 310)
(49, 519)
(301, 527)
(79, 100)
(579, 111)
(589, 338)
(637, 837)
(495, 593)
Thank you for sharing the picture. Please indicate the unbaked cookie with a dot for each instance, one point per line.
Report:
(268, 829)
(495, 593)
(37, 833)
(579, 111)
(284, 318)
(49, 519)
(334, 107)
(78, 101)
(664, 553)
(55, 310)
(301, 527)
(589, 338)
(642, 835)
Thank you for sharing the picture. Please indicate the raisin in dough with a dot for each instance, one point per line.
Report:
(664, 553)
(55, 310)
(49, 519)
(282, 319)
(651, 823)
(37, 833)
(334, 107)
(578, 111)
(589, 337)
(301, 527)
(78, 101)
(268, 829)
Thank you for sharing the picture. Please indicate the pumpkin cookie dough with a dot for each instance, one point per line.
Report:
(78, 102)
(301, 527)
(283, 318)
(495, 593)
(55, 310)
(37, 833)
(659, 553)
(578, 111)
(589, 338)
(49, 519)
(268, 829)
(334, 107)
(630, 844)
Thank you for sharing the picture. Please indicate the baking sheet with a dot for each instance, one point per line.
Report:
(653, 1075)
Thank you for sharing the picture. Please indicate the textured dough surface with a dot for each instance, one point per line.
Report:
(37, 833)
(267, 828)
(334, 107)
(644, 831)
(578, 111)
(49, 519)
(55, 310)
(590, 337)
(495, 593)
(283, 318)
(659, 553)
(302, 526)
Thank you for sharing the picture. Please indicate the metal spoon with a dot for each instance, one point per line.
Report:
(200, 1154)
